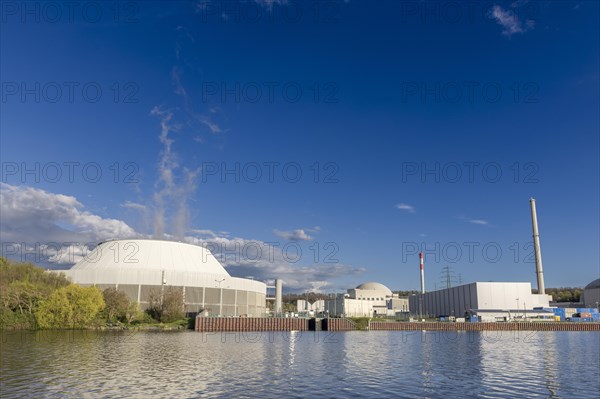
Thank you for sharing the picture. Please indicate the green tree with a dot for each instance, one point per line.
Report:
(172, 305)
(132, 312)
(23, 287)
(117, 303)
(72, 306)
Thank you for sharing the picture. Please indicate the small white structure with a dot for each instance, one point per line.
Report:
(457, 301)
(306, 307)
(591, 294)
(140, 267)
(366, 300)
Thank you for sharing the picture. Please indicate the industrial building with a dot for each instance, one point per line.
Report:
(143, 267)
(591, 294)
(459, 301)
(306, 308)
(493, 300)
(366, 300)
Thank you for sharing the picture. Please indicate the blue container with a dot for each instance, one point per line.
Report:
(475, 319)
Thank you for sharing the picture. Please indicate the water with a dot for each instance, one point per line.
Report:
(375, 364)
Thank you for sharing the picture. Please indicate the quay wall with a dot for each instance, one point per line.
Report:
(218, 324)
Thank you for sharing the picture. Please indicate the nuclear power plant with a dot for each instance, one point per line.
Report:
(144, 268)
(490, 298)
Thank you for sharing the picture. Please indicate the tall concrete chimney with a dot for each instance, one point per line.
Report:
(278, 295)
(536, 245)
(422, 273)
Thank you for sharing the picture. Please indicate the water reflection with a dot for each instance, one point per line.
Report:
(376, 364)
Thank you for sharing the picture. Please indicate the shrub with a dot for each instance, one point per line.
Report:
(72, 306)
(117, 304)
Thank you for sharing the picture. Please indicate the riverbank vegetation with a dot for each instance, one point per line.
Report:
(32, 298)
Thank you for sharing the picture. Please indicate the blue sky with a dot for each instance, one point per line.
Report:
(412, 124)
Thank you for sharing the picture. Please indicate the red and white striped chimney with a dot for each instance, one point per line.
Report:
(422, 273)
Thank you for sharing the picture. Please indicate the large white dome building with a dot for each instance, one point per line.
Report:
(137, 267)
(366, 300)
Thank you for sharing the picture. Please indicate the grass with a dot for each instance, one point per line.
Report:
(360, 323)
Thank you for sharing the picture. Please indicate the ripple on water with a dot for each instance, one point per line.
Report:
(376, 364)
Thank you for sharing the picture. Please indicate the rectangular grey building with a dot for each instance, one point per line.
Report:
(457, 301)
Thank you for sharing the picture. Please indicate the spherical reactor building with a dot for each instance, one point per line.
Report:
(372, 289)
(141, 267)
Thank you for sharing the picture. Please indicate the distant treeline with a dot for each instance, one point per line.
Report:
(32, 298)
(564, 294)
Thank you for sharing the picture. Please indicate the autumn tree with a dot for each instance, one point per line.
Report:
(166, 305)
(117, 303)
(72, 306)
(132, 311)
(23, 287)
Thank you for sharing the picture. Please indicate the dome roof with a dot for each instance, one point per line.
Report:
(593, 284)
(150, 255)
(373, 286)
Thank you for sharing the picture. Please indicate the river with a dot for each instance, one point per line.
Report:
(358, 364)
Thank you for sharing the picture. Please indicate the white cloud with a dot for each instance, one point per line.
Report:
(510, 21)
(265, 261)
(209, 233)
(58, 230)
(208, 122)
(406, 207)
(293, 235)
(134, 206)
(479, 221)
(52, 225)
(314, 230)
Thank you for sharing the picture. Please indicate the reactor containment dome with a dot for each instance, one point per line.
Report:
(143, 267)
